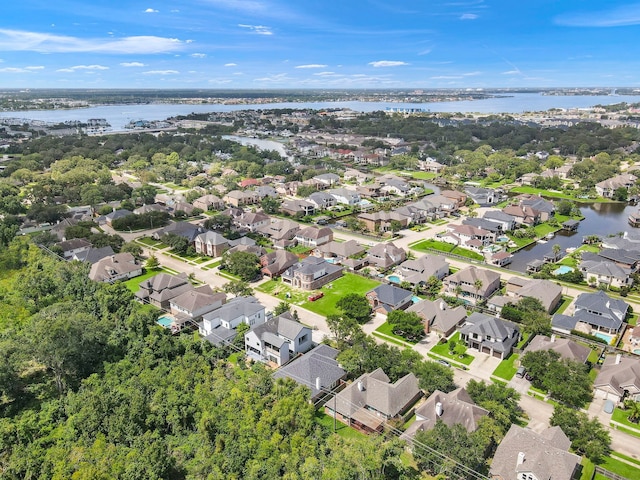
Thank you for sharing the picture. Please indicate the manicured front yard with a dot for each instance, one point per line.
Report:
(623, 469)
(507, 369)
(428, 245)
(150, 242)
(442, 349)
(133, 284)
(562, 306)
(387, 329)
(621, 416)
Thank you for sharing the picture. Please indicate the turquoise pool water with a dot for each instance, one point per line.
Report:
(165, 321)
(636, 351)
(604, 336)
(562, 269)
(394, 278)
(415, 299)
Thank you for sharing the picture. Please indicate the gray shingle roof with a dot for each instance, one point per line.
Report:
(390, 294)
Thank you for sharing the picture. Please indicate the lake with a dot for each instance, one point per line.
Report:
(120, 115)
(599, 219)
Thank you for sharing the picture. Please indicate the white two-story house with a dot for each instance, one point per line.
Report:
(278, 340)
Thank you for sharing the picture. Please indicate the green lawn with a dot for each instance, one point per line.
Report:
(341, 429)
(621, 416)
(133, 284)
(442, 349)
(507, 369)
(428, 245)
(299, 249)
(390, 339)
(555, 194)
(387, 329)
(150, 242)
(566, 300)
(334, 291)
(621, 468)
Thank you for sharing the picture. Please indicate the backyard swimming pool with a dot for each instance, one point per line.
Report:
(604, 337)
(415, 299)
(562, 269)
(165, 321)
(636, 351)
(394, 278)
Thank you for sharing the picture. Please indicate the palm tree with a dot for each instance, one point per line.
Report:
(477, 285)
(634, 410)
(556, 251)
(458, 290)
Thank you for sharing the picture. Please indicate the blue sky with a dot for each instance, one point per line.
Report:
(261, 44)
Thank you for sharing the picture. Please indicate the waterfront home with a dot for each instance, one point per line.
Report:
(482, 196)
(500, 259)
(420, 270)
(545, 208)
(278, 340)
(468, 236)
(525, 454)
(438, 317)
(606, 188)
(594, 313)
(472, 283)
(368, 402)
(619, 378)
(490, 335)
(505, 221)
(387, 298)
(453, 408)
(317, 370)
(523, 215)
(605, 274)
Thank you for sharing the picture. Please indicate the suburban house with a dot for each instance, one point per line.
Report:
(438, 317)
(211, 244)
(419, 271)
(161, 288)
(603, 273)
(110, 217)
(280, 231)
(327, 179)
(387, 298)
(121, 266)
(381, 221)
(219, 325)
(72, 247)
(252, 221)
(549, 293)
(490, 335)
(619, 378)
(311, 273)
(208, 202)
(468, 236)
(192, 304)
(545, 208)
(264, 191)
(458, 197)
(385, 255)
(504, 220)
(276, 262)
(606, 188)
(368, 402)
(278, 340)
(594, 313)
(344, 196)
(563, 346)
(523, 214)
(339, 250)
(318, 370)
(313, 237)
(322, 200)
(356, 176)
(297, 208)
(153, 207)
(182, 229)
(92, 255)
(472, 283)
(238, 198)
(482, 196)
(524, 454)
(451, 408)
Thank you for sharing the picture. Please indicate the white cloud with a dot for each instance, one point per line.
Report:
(325, 74)
(20, 69)
(161, 72)
(21, 40)
(230, 64)
(82, 67)
(132, 64)
(446, 77)
(471, 74)
(512, 72)
(198, 55)
(258, 29)
(312, 65)
(280, 77)
(468, 16)
(150, 10)
(387, 63)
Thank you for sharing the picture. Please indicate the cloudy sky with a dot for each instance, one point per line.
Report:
(319, 43)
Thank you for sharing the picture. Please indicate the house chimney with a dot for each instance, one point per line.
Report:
(553, 337)
(520, 458)
(442, 305)
(360, 386)
(618, 358)
(318, 385)
(439, 409)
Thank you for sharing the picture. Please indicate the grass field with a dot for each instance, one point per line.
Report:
(133, 284)
(341, 429)
(348, 283)
(556, 194)
(562, 306)
(622, 416)
(387, 329)
(507, 369)
(616, 466)
(428, 245)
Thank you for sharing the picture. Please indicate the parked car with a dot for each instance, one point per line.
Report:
(521, 372)
(315, 296)
(444, 362)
